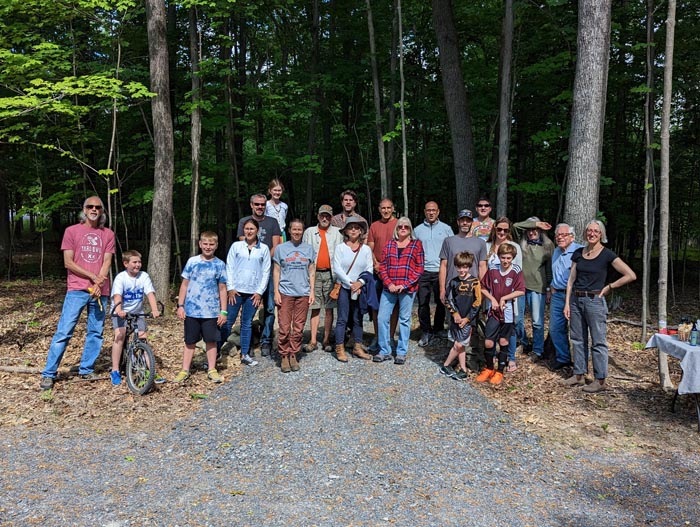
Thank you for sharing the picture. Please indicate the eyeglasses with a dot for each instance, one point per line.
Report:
(563, 234)
(483, 205)
(401, 227)
(96, 207)
(499, 229)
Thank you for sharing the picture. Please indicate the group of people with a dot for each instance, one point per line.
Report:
(480, 275)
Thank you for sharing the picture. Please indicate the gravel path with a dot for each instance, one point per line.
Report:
(357, 444)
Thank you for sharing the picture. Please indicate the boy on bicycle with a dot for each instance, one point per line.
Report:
(201, 304)
(128, 290)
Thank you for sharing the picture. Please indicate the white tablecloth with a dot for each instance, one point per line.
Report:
(687, 354)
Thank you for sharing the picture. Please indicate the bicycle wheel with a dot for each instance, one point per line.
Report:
(140, 368)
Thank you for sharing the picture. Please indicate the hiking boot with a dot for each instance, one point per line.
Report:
(214, 376)
(574, 381)
(293, 363)
(360, 353)
(485, 375)
(116, 378)
(46, 383)
(265, 350)
(496, 378)
(595, 387)
(181, 377)
(447, 370)
(425, 339)
(400, 359)
(91, 376)
(284, 365)
(340, 353)
(310, 347)
(248, 360)
(380, 358)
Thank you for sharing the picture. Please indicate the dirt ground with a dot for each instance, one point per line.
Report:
(632, 415)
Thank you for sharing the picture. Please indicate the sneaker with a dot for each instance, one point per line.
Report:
(181, 377)
(574, 381)
(247, 359)
(265, 350)
(46, 383)
(214, 376)
(116, 378)
(556, 365)
(485, 375)
(496, 378)
(380, 358)
(327, 348)
(160, 379)
(447, 370)
(400, 360)
(512, 366)
(91, 376)
(595, 387)
(459, 375)
(425, 340)
(374, 347)
(442, 334)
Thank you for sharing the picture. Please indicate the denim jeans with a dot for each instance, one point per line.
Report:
(427, 284)
(559, 327)
(589, 315)
(244, 304)
(269, 319)
(73, 306)
(536, 302)
(386, 308)
(348, 310)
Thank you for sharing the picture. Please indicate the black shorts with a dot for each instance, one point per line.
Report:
(496, 330)
(197, 329)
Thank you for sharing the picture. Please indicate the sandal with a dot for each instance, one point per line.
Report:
(512, 366)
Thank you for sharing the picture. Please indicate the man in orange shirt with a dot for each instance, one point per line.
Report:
(380, 232)
(324, 238)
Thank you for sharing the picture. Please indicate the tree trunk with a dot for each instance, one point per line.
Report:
(588, 113)
(196, 129)
(664, 187)
(504, 113)
(315, 107)
(5, 246)
(458, 116)
(377, 103)
(161, 219)
(404, 150)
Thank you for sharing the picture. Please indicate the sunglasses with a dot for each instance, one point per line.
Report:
(499, 229)
(483, 205)
(259, 204)
(96, 207)
(401, 227)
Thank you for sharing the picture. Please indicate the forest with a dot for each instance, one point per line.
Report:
(175, 113)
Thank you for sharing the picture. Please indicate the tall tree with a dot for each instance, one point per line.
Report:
(162, 212)
(588, 113)
(664, 182)
(196, 127)
(504, 112)
(385, 191)
(458, 115)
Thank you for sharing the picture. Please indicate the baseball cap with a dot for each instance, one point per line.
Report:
(465, 213)
(325, 209)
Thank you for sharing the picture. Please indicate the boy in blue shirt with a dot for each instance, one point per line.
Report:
(202, 305)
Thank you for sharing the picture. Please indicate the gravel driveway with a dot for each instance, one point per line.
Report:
(356, 444)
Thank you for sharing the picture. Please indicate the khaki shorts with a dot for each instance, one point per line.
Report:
(322, 290)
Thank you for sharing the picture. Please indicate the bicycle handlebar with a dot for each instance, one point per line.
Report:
(132, 316)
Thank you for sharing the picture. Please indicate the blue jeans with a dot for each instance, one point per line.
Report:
(536, 302)
(269, 319)
(386, 308)
(348, 310)
(244, 303)
(589, 315)
(73, 306)
(559, 327)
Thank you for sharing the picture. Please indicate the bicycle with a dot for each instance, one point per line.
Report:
(137, 361)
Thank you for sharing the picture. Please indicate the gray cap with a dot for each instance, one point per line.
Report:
(354, 219)
(325, 209)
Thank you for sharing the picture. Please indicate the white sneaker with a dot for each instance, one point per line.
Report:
(247, 359)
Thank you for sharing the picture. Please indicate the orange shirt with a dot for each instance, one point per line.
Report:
(323, 261)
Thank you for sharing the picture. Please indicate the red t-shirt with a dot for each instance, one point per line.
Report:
(380, 233)
(89, 246)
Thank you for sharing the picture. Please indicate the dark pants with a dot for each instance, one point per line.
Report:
(348, 310)
(428, 284)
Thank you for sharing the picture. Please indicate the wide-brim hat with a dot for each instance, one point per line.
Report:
(355, 220)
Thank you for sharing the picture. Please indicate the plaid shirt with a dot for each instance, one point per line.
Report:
(403, 270)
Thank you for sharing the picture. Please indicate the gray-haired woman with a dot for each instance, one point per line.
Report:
(586, 308)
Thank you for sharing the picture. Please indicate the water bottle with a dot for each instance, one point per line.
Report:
(662, 327)
(694, 335)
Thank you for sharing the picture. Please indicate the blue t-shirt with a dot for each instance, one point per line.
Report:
(294, 262)
(202, 299)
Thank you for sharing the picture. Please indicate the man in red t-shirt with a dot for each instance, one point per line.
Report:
(87, 248)
(380, 232)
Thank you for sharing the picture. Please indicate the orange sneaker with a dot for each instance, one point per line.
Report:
(496, 379)
(485, 375)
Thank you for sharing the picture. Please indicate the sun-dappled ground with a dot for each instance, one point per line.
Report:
(633, 414)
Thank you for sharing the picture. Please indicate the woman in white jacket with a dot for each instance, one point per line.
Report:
(350, 260)
(247, 276)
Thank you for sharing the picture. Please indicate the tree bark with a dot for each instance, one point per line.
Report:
(196, 129)
(161, 219)
(458, 115)
(315, 108)
(404, 149)
(588, 113)
(504, 113)
(377, 102)
(664, 186)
